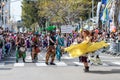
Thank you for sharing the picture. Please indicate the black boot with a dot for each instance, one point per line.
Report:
(46, 63)
(24, 60)
(86, 69)
(16, 60)
(52, 63)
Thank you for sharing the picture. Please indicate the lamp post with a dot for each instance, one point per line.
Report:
(92, 8)
(2, 11)
(92, 11)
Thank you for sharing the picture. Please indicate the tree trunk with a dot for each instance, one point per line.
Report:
(116, 15)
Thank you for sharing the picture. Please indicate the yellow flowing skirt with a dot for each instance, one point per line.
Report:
(84, 48)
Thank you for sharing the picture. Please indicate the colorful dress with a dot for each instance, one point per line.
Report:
(85, 47)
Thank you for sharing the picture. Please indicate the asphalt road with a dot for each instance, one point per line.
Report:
(67, 69)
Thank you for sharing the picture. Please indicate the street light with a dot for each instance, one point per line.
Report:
(3, 4)
(1, 11)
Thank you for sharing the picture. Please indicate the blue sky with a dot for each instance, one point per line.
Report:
(16, 10)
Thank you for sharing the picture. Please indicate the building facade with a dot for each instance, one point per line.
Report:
(4, 13)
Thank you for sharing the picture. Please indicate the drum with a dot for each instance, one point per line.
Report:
(22, 49)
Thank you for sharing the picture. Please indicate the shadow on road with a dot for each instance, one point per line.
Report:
(113, 71)
(5, 69)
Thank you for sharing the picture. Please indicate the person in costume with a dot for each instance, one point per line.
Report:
(94, 57)
(20, 50)
(17, 41)
(63, 44)
(59, 44)
(35, 47)
(79, 40)
(51, 49)
(80, 49)
(84, 48)
(86, 38)
(112, 49)
(68, 40)
(7, 45)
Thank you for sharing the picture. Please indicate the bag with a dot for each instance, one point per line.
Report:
(37, 50)
(22, 49)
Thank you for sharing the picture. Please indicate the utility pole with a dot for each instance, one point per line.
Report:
(92, 8)
(2, 5)
(9, 8)
(3, 13)
(92, 12)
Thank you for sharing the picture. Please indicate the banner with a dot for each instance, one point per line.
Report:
(67, 29)
(98, 11)
(104, 1)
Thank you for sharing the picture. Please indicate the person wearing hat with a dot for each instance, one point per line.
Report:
(35, 47)
(51, 49)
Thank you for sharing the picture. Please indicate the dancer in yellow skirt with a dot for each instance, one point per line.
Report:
(84, 48)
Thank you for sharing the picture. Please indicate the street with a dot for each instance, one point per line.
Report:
(67, 69)
(60, 39)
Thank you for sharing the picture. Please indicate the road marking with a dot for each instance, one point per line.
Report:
(66, 57)
(9, 61)
(2, 64)
(105, 64)
(117, 63)
(12, 57)
(109, 60)
(18, 64)
(78, 63)
(40, 64)
(60, 64)
(109, 57)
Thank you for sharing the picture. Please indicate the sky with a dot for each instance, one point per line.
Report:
(16, 10)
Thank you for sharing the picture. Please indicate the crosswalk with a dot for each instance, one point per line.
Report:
(19, 64)
(2, 64)
(65, 62)
(58, 64)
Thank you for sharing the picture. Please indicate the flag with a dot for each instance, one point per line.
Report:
(104, 1)
(105, 16)
(109, 2)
